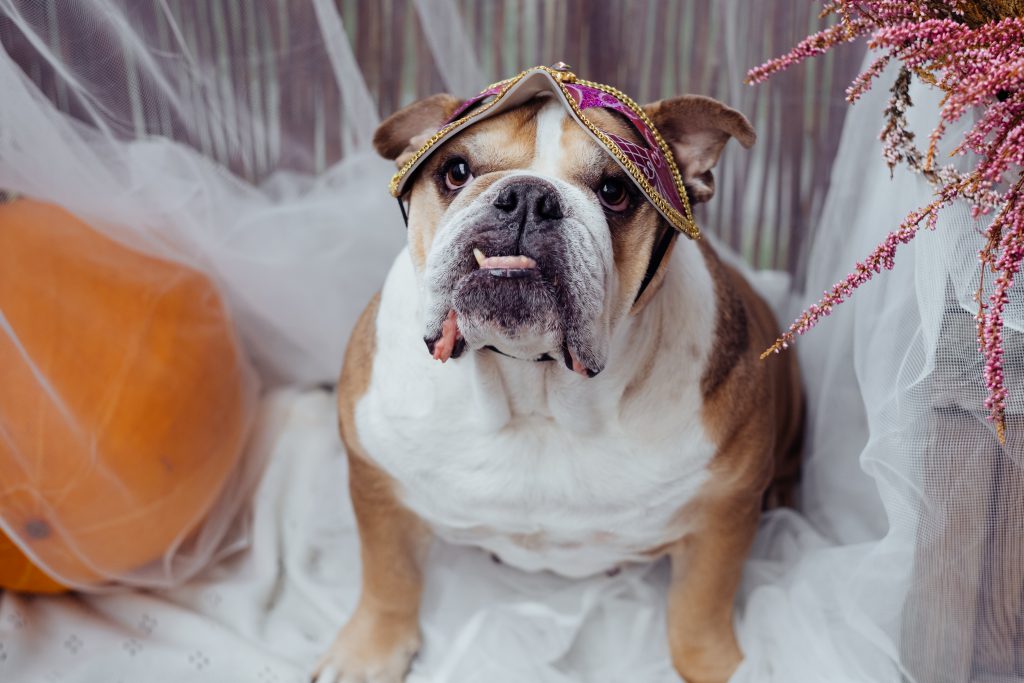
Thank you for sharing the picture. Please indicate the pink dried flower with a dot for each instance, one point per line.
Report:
(979, 67)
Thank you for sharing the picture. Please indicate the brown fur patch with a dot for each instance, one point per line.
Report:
(634, 244)
(753, 413)
(423, 221)
(732, 336)
(706, 570)
(358, 366)
(383, 633)
(697, 129)
(396, 133)
(659, 274)
(586, 164)
(750, 404)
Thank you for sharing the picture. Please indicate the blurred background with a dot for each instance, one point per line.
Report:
(249, 83)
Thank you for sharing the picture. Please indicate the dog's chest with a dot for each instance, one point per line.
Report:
(544, 468)
(536, 493)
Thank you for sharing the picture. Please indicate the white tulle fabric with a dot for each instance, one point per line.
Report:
(904, 561)
(296, 258)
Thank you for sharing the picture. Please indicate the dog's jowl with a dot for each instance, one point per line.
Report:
(552, 372)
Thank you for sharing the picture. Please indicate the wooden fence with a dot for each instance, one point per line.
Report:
(262, 99)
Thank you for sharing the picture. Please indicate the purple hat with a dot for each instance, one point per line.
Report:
(650, 165)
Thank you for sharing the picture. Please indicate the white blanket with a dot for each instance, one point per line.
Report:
(265, 614)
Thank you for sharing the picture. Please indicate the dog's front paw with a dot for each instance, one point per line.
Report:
(371, 648)
(711, 662)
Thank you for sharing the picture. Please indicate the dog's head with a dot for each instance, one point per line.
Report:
(526, 234)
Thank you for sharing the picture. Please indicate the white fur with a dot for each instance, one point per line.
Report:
(547, 469)
(547, 154)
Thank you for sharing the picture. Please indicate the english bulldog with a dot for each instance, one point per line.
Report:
(548, 374)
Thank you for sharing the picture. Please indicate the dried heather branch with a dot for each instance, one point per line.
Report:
(883, 257)
(974, 51)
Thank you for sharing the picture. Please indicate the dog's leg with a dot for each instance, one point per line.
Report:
(382, 636)
(706, 569)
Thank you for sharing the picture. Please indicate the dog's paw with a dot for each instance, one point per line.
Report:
(714, 662)
(370, 649)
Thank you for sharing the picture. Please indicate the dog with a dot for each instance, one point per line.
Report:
(588, 397)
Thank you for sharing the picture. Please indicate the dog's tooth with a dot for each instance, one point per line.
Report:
(480, 258)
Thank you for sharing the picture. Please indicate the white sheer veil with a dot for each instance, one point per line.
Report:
(905, 559)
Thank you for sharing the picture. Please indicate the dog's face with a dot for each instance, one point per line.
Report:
(526, 234)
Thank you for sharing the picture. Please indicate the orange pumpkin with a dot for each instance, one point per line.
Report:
(124, 402)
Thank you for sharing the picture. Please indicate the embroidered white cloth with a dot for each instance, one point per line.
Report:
(266, 614)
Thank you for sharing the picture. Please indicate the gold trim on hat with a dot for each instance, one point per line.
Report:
(683, 222)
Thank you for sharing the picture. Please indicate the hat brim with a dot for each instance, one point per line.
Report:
(519, 90)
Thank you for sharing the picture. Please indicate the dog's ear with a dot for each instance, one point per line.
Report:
(696, 128)
(407, 129)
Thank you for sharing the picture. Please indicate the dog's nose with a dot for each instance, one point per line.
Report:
(536, 198)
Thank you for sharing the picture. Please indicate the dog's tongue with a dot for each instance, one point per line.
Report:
(449, 337)
(578, 367)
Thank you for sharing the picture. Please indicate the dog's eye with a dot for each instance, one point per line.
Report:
(613, 194)
(457, 174)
